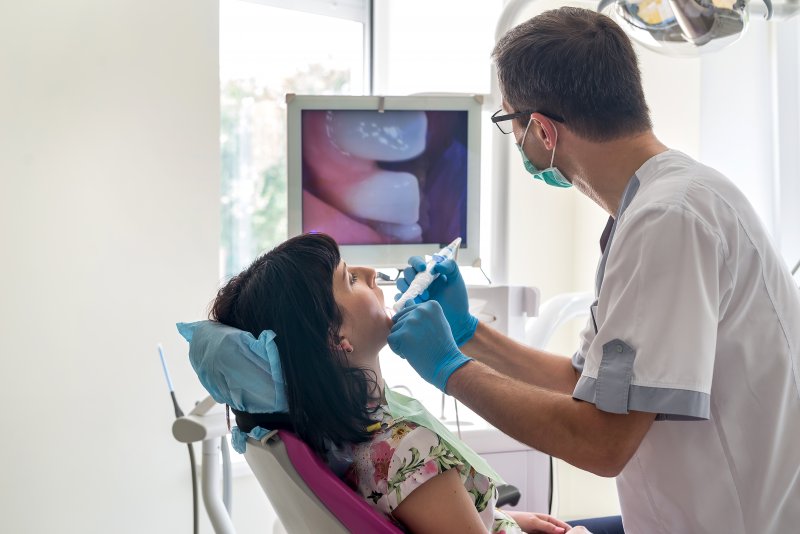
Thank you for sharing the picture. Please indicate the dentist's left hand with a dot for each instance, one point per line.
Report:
(422, 336)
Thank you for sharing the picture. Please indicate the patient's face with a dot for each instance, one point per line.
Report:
(365, 323)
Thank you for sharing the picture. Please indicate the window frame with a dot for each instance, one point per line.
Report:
(355, 10)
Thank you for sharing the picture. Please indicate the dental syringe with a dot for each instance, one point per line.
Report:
(424, 279)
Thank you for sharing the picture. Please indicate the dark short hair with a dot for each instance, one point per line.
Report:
(577, 64)
(289, 290)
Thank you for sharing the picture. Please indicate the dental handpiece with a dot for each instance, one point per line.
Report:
(424, 279)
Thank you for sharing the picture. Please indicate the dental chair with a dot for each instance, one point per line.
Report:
(305, 493)
(309, 497)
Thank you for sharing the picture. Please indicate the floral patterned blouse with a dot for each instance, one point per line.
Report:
(402, 456)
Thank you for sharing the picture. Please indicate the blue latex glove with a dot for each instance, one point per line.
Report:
(449, 291)
(422, 336)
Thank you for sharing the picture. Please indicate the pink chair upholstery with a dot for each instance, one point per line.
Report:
(307, 496)
(348, 507)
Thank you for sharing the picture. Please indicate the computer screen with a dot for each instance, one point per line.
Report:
(387, 177)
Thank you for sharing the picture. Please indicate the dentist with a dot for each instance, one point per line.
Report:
(686, 382)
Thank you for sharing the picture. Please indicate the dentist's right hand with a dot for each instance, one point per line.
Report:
(449, 291)
(422, 336)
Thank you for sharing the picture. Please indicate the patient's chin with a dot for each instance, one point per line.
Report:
(384, 345)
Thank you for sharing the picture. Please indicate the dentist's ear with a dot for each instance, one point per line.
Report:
(546, 130)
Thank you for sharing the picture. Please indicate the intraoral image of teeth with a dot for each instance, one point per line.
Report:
(342, 151)
(387, 136)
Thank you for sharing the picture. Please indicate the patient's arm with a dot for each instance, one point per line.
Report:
(441, 504)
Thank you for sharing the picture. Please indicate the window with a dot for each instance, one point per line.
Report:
(265, 52)
(426, 47)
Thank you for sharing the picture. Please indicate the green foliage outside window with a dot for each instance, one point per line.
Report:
(253, 160)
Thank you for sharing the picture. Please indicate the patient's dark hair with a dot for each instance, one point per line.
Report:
(289, 290)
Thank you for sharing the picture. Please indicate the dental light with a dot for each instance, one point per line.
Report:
(688, 28)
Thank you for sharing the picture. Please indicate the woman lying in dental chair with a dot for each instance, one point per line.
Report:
(317, 326)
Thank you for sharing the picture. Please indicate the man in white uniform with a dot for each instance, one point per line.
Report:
(686, 384)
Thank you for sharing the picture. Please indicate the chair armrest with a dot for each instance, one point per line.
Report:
(507, 495)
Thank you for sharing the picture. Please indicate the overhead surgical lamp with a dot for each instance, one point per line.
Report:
(690, 27)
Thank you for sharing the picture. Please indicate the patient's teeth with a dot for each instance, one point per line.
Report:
(386, 196)
(407, 233)
(388, 136)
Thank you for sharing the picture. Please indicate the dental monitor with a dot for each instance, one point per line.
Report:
(387, 177)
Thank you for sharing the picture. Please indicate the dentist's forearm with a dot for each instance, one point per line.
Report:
(551, 422)
(532, 366)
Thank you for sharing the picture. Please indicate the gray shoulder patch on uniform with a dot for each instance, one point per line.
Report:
(614, 377)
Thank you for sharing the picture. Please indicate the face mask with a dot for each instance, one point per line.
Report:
(551, 175)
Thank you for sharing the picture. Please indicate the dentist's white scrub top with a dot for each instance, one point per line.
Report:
(697, 319)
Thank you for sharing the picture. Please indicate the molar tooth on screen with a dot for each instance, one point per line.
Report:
(388, 136)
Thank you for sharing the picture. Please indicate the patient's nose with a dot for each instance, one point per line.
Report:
(369, 275)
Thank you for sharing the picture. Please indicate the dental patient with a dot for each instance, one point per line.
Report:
(317, 326)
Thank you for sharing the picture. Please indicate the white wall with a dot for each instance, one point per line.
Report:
(785, 39)
(109, 203)
(737, 126)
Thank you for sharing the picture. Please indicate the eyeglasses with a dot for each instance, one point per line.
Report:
(507, 129)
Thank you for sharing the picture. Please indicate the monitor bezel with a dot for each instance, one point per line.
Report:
(393, 255)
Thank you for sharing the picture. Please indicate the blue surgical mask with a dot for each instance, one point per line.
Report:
(551, 175)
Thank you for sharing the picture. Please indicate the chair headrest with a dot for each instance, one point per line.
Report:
(344, 503)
